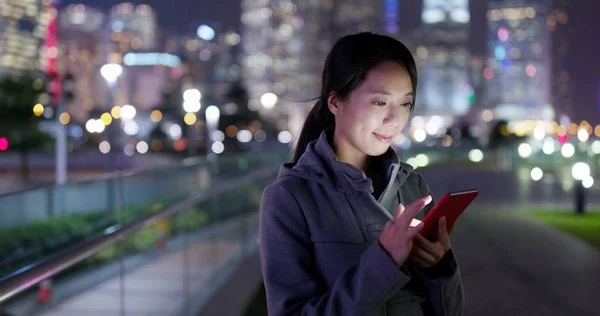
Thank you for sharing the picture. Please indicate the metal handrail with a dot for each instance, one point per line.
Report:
(29, 276)
(197, 161)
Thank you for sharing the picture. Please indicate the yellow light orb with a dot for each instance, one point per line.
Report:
(116, 112)
(189, 119)
(64, 118)
(38, 109)
(106, 119)
(156, 116)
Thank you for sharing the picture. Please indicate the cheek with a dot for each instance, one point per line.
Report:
(370, 117)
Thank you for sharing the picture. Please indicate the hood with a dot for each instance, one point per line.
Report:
(320, 164)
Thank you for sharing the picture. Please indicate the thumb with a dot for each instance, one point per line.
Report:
(401, 210)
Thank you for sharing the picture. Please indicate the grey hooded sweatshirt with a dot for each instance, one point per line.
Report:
(319, 224)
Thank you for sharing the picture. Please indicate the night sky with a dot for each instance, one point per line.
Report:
(186, 15)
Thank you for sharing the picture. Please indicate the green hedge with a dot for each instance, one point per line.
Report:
(21, 246)
(38, 240)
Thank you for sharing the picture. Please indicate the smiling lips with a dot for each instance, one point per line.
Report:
(384, 138)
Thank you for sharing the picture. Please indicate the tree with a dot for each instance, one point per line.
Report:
(17, 120)
(500, 137)
(238, 95)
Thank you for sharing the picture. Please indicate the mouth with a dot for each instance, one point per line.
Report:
(384, 138)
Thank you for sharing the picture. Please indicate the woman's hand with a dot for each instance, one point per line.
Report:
(397, 236)
(426, 253)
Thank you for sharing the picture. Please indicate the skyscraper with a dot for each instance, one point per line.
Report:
(443, 59)
(23, 26)
(561, 31)
(273, 41)
(133, 28)
(352, 16)
(518, 67)
(82, 55)
(285, 44)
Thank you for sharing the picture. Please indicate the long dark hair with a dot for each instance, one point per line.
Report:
(346, 67)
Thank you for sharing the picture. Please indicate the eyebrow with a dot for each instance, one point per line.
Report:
(384, 92)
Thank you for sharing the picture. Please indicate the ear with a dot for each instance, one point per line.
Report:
(334, 103)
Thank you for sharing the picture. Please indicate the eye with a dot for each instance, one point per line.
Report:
(380, 103)
(410, 103)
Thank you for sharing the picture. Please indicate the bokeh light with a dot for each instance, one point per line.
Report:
(284, 137)
(567, 150)
(476, 155)
(116, 112)
(536, 174)
(190, 119)
(104, 147)
(525, 150)
(3, 143)
(156, 116)
(38, 109)
(64, 118)
(106, 118)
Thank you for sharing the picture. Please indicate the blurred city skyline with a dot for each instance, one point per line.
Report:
(586, 79)
(259, 62)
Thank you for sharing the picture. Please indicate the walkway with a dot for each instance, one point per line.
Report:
(513, 265)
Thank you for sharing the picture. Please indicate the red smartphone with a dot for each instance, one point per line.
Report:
(451, 205)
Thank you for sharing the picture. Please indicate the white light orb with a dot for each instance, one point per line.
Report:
(268, 100)
(536, 174)
(567, 150)
(284, 137)
(476, 155)
(580, 170)
(525, 150)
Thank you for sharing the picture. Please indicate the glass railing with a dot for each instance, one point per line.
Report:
(39, 222)
(170, 265)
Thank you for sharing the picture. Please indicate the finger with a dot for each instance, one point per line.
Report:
(414, 231)
(444, 237)
(413, 209)
(420, 261)
(430, 247)
(401, 210)
(421, 254)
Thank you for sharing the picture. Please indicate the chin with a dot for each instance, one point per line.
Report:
(377, 150)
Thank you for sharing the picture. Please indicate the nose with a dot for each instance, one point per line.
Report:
(392, 117)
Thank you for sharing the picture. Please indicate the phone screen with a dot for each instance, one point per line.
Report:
(414, 222)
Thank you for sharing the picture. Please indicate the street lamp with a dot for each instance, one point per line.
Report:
(581, 172)
(111, 73)
(205, 32)
(191, 105)
(212, 115)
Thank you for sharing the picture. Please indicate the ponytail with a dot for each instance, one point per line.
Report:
(318, 120)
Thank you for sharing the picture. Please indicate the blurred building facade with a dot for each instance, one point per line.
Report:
(558, 23)
(134, 28)
(23, 27)
(80, 30)
(353, 16)
(518, 67)
(443, 59)
(272, 47)
(284, 47)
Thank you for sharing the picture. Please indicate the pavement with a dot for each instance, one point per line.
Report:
(512, 264)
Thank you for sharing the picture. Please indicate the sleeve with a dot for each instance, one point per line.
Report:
(443, 281)
(292, 282)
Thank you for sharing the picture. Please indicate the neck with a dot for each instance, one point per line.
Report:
(345, 152)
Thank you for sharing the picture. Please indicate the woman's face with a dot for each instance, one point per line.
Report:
(374, 114)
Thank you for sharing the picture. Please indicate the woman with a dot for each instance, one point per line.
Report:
(335, 237)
